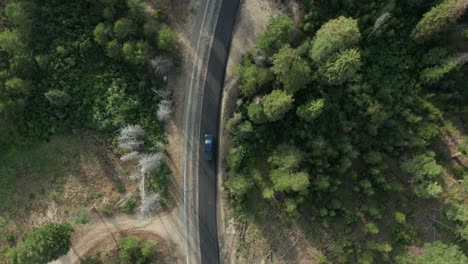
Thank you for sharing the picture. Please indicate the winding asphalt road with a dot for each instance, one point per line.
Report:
(212, 28)
(210, 124)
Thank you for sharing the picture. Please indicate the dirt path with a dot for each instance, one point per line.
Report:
(168, 226)
(87, 238)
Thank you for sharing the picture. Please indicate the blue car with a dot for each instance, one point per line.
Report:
(209, 146)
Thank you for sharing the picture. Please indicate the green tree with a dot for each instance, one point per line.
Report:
(42, 244)
(133, 250)
(123, 28)
(58, 98)
(244, 130)
(256, 113)
(21, 14)
(279, 31)
(102, 33)
(114, 49)
(17, 87)
(435, 253)
(167, 39)
(136, 10)
(284, 181)
(238, 184)
(276, 104)
(311, 110)
(150, 31)
(344, 68)
(136, 52)
(433, 74)
(129, 248)
(426, 174)
(439, 18)
(252, 78)
(290, 69)
(334, 36)
(286, 157)
(10, 41)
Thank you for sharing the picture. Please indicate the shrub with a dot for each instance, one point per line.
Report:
(167, 39)
(106, 210)
(129, 206)
(80, 216)
(132, 250)
(42, 244)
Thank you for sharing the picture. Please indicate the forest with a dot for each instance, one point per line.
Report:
(68, 67)
(342, 122)
(81, 64)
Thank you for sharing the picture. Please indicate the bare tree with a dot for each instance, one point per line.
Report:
(380, 21)
(260, 59)
(162, 65)
(461, 58)
(147, 204)
(150, 162)
(131, 132)
(134, 155)
(130, 137)
(164, 110)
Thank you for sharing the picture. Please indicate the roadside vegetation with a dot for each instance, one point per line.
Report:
(75, 78)
(131, 249)
(351, 126)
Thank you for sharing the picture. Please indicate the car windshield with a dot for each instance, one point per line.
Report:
(207, 145)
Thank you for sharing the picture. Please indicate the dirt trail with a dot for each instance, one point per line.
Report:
(87, 238)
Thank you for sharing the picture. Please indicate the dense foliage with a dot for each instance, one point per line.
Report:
(79, 64)
(42, 244)
(336, 118)
(131, 250)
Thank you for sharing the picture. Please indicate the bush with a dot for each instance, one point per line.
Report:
(80, 216)
(42, 244)
(106, 210)
(121, 188)
(132, 250)
(129, 206)
(167, 39)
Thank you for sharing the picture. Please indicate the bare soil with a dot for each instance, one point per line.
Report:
(104, 232)
(107, 249)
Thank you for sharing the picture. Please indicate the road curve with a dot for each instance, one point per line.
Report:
(200, 34)
(211, 106)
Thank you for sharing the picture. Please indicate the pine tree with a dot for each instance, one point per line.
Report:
(311, 110)
(279, 31)
(276, 104)
(290, 69)
(344, 68)
(439, 18)
(334, 36)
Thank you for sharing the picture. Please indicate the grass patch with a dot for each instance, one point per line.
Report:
(80, 216)
(35, 167)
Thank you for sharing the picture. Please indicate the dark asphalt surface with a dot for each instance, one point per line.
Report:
(210, 124)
